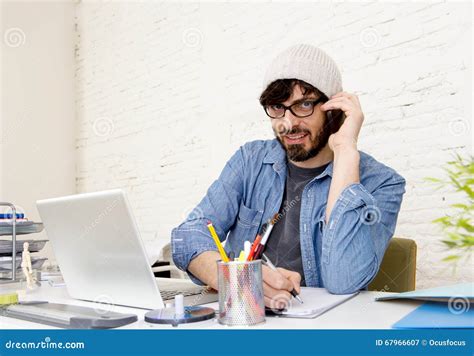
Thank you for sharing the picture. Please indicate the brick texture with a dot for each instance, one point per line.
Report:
(167, 91)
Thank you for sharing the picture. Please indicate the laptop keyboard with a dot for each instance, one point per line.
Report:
(170, 294)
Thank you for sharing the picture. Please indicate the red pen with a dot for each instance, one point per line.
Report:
(261, 246)
(260, 241)
(254, 247)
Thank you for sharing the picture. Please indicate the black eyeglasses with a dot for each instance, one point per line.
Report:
(302, 108)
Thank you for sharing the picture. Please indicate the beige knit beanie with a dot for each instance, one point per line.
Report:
(306, 63)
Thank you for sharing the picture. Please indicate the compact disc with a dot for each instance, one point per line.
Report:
(191, 314)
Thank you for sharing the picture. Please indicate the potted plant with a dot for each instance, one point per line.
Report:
(458, 226)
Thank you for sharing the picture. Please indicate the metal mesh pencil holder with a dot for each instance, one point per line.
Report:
(240, 293)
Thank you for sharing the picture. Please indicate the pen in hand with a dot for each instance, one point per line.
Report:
(272, 266)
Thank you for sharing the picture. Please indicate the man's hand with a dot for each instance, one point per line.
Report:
(349, 131)
(344, 145)
(278, 285)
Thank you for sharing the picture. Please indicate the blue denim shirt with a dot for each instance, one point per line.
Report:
(343, 255)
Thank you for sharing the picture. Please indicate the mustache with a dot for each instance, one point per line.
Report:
(297, 131)
(283, 130)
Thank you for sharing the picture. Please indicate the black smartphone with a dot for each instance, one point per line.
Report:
(335, 119)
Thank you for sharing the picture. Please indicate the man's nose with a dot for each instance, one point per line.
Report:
(292, 119)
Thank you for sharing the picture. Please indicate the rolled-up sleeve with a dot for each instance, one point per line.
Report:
(357, 234)
(220, 205)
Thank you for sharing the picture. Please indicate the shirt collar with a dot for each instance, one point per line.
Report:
(276, 154)
(327, 171)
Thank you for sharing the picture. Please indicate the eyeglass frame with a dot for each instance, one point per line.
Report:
(314, 102)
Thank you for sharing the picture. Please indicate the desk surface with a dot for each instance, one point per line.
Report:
(360, 312)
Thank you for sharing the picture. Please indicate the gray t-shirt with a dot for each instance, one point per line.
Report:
(283, 245)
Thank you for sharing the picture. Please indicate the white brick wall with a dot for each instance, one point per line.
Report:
(167, 91)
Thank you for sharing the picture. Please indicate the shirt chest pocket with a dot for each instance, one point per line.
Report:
(245, 228)
(249, 217)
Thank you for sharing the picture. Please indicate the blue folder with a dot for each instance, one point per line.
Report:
(445, 293)
(436, 315)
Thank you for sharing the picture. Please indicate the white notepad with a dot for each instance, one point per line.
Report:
(316, 301)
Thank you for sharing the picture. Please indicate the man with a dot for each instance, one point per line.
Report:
(338, 206)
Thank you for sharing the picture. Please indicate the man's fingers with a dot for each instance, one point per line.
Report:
(276, 280)
(294, 277)
(271, 292)
(343, 104)
(353, 97)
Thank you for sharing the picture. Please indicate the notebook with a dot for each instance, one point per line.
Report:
(433, 315)
(316, 301)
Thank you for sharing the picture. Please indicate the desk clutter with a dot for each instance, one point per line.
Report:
(6, 251)
(15, 255)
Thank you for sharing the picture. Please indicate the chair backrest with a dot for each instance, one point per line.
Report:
(397, 272)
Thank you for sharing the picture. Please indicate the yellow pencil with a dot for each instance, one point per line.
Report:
(217, 242)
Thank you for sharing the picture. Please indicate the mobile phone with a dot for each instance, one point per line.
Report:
(335, 119)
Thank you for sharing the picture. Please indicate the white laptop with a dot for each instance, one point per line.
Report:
(97, 245)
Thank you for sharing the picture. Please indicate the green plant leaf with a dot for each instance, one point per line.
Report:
(451, 258)
(458, 226)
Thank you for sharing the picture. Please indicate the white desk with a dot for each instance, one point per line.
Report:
(360, 312)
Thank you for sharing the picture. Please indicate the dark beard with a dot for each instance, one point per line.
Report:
(297, 153)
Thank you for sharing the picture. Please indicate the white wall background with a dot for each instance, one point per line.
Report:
(166, 92)
(37, 158)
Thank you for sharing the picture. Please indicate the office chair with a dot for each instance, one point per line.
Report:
(397, 272)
